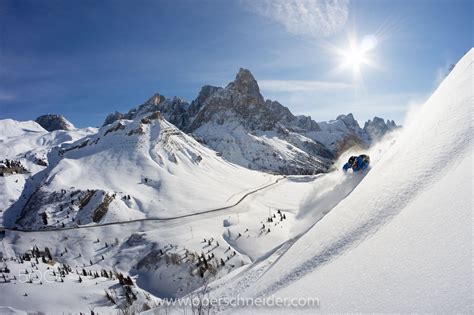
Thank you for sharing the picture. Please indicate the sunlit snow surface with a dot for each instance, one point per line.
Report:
(397, 238)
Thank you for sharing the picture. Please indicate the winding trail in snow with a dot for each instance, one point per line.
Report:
(148, 219)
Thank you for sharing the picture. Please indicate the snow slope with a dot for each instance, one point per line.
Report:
(29, 143)
(46, 291)
(18, 138)
(148, 168)
(401, 241)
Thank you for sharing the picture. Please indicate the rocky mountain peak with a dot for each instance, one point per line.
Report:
(155, 99)
(377, 127)
(53, 122)
(245, 84)
(349, 120)
(205, 93)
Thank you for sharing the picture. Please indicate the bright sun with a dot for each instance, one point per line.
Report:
(354, 58)
(357, 54)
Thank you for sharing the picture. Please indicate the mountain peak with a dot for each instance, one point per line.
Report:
(377, 127)
(245, 83)
(156, 99)
(53, 122)
(349, 120)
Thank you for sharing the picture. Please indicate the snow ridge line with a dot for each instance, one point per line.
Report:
(148, 219)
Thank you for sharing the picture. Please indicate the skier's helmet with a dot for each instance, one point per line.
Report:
(352, 160)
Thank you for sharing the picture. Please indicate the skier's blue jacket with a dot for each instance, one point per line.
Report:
(357, 163)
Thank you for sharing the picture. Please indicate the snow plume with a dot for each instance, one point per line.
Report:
(307, 17)
(327, 192)
(333, 187)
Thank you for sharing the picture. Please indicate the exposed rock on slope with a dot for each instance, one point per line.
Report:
(53, 122)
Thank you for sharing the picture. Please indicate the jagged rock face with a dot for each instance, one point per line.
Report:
(229, 104)
(377, 127)
(349, 121)
(245, 84)
(306, 123)
(175, 110)
(113, 117)
(240, 124)
(241, 100)
(341, 134)
(53, 122)
(206, 92)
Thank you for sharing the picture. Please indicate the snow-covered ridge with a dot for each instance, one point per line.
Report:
(131, 169)
(28, 143)
(257, 133)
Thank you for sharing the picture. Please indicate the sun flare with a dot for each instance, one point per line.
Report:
(354, 58)
(357, 54)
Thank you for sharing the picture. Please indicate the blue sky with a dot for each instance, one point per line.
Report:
(85, 59)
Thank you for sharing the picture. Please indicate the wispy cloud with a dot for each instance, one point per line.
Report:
(6, 96)
(301, 86)
(318, 18)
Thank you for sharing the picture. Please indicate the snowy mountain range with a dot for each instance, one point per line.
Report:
(160, 203)
(260, 134)
(75, 176)
(130, 169)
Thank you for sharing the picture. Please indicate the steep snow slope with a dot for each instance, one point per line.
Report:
(133, 170)
(402, 240)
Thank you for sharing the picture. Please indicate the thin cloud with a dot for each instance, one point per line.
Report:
(317, 18)
(6, 96)
(301, 86)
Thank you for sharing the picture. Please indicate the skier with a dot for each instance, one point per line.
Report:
(357, 163)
